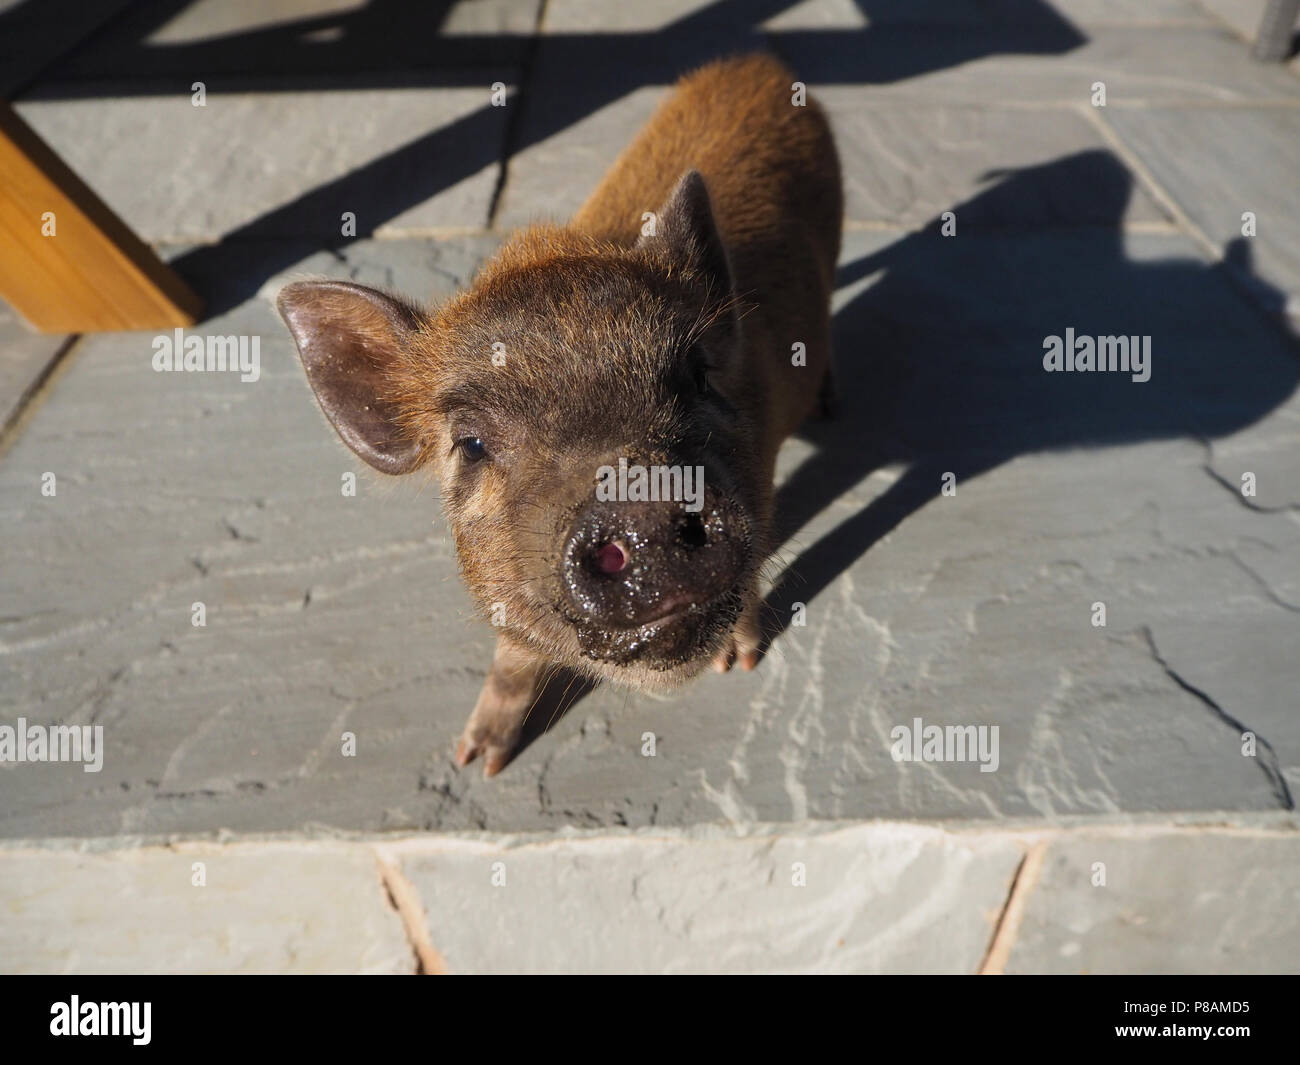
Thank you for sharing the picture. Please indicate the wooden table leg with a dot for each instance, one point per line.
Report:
(67, 263)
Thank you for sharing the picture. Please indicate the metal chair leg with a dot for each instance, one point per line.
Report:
(1273, 43)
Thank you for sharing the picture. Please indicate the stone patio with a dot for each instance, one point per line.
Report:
(325, 614)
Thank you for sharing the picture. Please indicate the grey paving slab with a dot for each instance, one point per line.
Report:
(1261, 455)
(1183, 902)
(1219, 164)
(24, 356)
(1140, 64)
(609, 16)
(563, 159)
(328, 614)
(577, 16)
(600, 68)
(1132, 12)
(865, 899)
(279, 908)
(399, 158)
(216, 18)
(205, 18)
(201, 523)
(904, 163)
(605, 17)
(270, 44)
(962, 53)
(923, 106)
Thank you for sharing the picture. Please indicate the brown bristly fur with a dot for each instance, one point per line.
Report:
(598, 322)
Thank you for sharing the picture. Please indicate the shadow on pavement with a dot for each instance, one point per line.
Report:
(939, 362)
(393, 42)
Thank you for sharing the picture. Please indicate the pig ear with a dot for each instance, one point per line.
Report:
(348, 335)
(685, 226)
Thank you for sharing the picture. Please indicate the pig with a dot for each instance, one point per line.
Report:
(678, 324)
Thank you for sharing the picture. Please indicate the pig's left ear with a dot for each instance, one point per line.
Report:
(686, 229)
(348, 336)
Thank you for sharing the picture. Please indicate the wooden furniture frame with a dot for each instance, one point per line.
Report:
(68, 264)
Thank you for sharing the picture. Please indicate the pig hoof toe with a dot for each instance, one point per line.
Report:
(741, 650)
(496, 751)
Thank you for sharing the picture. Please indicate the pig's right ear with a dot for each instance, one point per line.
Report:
(348, 336)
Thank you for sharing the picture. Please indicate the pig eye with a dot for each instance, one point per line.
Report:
(472, 449)
(701, 378)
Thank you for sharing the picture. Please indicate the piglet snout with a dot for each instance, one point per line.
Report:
(628, 564)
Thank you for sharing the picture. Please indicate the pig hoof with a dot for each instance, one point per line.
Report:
(742, 646)
(494, 736)
(496, 745)
(497, 723)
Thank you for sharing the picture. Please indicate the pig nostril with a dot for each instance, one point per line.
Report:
(611, 558)
(691, 532)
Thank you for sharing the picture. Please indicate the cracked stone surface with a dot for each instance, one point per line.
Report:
(328, 614)
(24, 357)
(272, 908)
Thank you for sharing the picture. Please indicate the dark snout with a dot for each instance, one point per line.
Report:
(632, 564)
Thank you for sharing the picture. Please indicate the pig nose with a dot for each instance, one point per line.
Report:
(628, 564)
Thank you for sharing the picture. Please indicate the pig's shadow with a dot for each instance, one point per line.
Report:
(562, 691)
(939, 359)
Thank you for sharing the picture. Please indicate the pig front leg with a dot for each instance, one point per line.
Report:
(494, 727)
(746, 637)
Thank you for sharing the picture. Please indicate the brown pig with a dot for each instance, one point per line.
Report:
(670, 337)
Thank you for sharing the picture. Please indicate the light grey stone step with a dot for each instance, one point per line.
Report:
(871, 898)
(269, 908)
(1214, 895)
(1188, 902)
